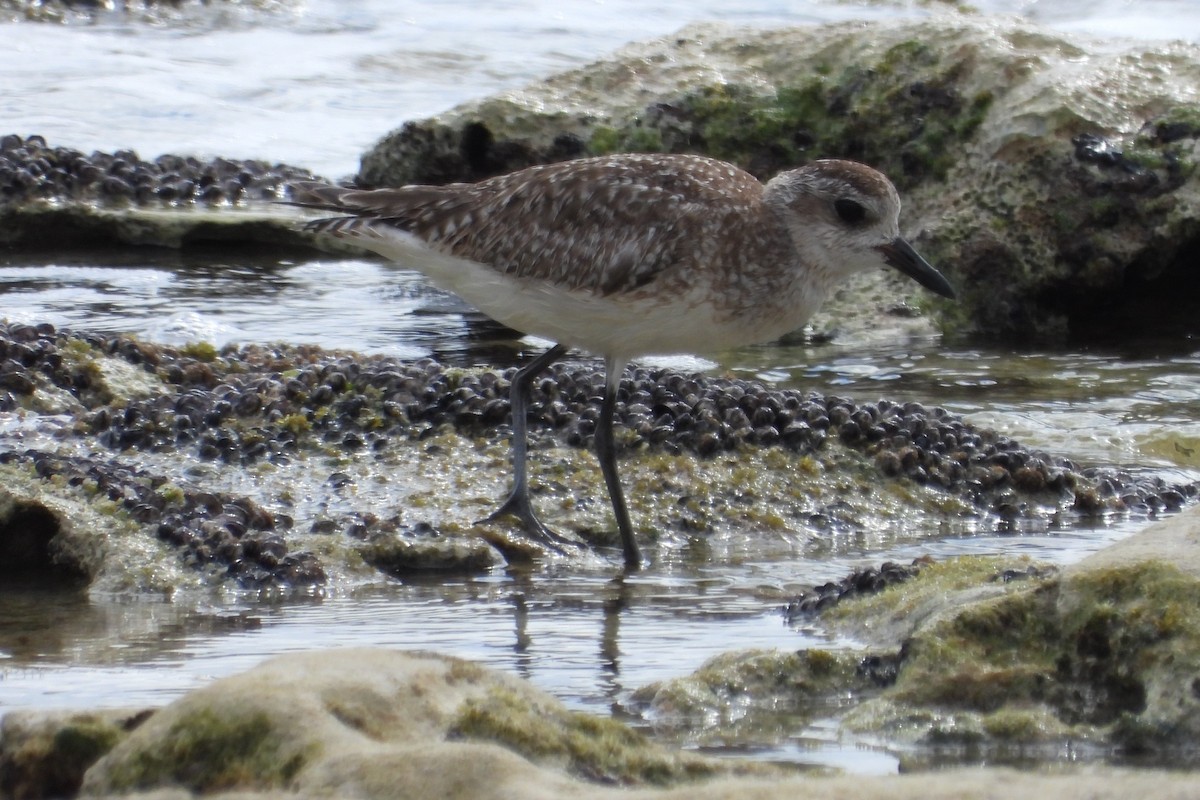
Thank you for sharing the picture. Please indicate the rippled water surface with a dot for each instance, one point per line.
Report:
(316, 83)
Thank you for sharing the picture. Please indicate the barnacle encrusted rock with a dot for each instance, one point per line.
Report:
(136, 467)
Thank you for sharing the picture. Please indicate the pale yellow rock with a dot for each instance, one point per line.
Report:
(1175, 540)
(370, 723)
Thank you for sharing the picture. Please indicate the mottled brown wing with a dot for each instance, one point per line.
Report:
(607, 225)
(395, 206)
(603, 226)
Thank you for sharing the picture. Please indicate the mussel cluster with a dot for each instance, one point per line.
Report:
(862, 580)
(32, 170)
(230, 535)
(245, 404)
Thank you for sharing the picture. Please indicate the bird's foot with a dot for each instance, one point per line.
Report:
(518, 505)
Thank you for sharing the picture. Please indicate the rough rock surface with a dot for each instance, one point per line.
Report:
(988, 658)
(420, 725)
(374, 723)
(45, 753)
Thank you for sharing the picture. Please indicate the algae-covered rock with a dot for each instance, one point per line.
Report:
(378, 724)
(1053, 177)
(60, 539)
(409, 724)
(1106, 658)
(1105, 655)
(45, 753)
(982, 657)
(595, 748)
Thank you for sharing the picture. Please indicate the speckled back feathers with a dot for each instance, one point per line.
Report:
(606, 225)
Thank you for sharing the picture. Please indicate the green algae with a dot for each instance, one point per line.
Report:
(591, 747)
(85, 739)
(984, 658)
(48, 757)
(201, 351)
(1107, 656)
(207, 751)
(903, 113)
(296, 424)
(172, 494)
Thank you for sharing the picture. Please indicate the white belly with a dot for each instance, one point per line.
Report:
(615, 325)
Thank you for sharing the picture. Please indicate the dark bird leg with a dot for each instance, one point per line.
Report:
(606, 452)
(518, 503)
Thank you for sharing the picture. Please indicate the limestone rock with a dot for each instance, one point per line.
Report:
(374, 723)
(380, 723)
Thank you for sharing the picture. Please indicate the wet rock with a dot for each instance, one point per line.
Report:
(428, 553)
(37, 542)
(210, 530)
(983, 655)
(256, 406)
(740, 694)
(1079, 657)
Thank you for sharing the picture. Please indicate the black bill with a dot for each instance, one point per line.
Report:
(900, 254)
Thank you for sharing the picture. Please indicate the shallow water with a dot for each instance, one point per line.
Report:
(588, 637)
(315, 84)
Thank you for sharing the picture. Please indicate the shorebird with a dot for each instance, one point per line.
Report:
(628, 255)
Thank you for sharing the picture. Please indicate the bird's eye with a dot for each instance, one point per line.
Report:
(850, 212)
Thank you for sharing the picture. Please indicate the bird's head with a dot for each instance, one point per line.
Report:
(844, 217)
